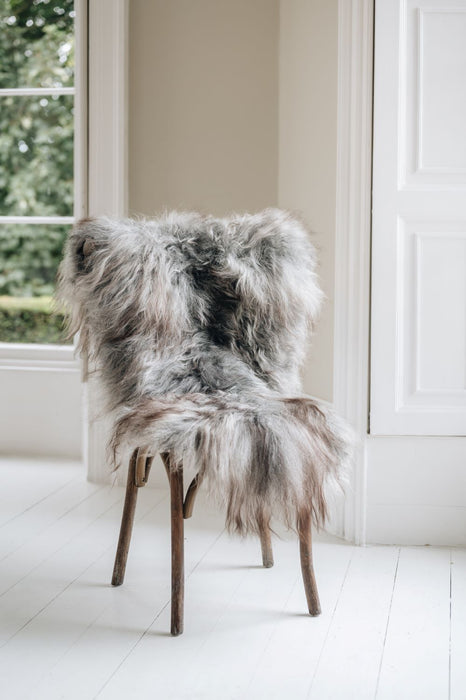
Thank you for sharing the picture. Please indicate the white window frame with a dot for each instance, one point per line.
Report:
(100, 173)
(41, 413)
(36, 355)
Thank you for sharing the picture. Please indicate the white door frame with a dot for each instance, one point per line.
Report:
(352, 243)
(107, 169)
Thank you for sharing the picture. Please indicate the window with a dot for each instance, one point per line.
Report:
(37, 182)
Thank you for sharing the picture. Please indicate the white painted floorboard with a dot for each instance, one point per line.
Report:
(390, 629)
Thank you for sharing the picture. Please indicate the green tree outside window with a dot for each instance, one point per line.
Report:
(36, 162)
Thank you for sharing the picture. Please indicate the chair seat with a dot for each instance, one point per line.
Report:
(267, 456)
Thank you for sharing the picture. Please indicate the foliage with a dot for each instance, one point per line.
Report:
(29, 256)
(36, 156)
(30, 320)
(36, 146)
(33, 35)
(36, 132)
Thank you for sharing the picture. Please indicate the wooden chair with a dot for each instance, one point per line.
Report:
(197, 326)
(181, 508)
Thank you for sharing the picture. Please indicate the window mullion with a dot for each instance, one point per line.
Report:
(30, 92)
(37, 219)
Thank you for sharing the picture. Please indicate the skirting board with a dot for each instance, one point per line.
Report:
(416, 525)
(416, 490)
(40, 414)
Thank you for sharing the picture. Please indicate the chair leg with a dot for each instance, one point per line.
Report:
(266, 546)
(177, 542)
(190, 497)
(305, 551)
(126, 523)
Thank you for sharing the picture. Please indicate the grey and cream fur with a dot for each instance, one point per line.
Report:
(199, 326)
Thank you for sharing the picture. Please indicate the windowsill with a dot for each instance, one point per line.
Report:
(32, 356)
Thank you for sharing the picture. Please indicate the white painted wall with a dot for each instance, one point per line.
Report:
(307, 150)
(232, 106)
(203, 101)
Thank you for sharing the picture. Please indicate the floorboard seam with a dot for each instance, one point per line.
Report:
(39, 532)
(387, 625)
(41, 500)
(308, 696)
(141, 637)
(56, 550)
(97, 490)
(49, 602)
(449, 637)
(269, 639)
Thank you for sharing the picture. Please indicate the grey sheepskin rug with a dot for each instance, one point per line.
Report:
(198, 326)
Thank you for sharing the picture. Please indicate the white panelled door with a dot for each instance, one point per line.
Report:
(418, 317)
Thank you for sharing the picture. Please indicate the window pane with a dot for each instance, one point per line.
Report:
(36, 156)
(29, 259)
(36, 43)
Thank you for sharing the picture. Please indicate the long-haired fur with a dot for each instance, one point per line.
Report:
(199, 327)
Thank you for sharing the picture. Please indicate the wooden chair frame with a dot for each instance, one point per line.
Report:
(181, 507)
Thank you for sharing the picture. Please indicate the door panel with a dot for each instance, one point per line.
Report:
(418, 336)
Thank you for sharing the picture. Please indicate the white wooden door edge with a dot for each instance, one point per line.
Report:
(418, 347)
(352, 245)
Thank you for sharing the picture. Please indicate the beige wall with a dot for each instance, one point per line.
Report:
(233, 107)
(203, 105)
(307, 150)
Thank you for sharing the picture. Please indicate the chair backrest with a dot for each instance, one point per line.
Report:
(241, 291)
